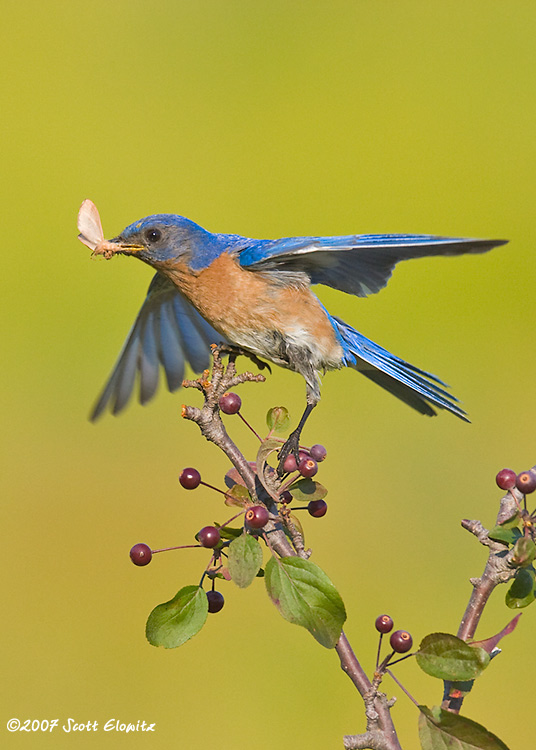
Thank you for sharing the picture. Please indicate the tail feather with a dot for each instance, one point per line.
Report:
(419, 389)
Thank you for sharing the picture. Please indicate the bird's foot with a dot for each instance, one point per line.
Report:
(290, 448)
(237, 351)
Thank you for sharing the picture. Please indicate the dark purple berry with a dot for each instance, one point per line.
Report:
(526, 481)
(215, 601)
(286, 497)
(384, 624)
(317, 508)
(318, 452)
(308, 467)
(506, 479)
(257, 516)
(190, 479)
(209, 536)
(230, 403)
(289, 464)
(401, 641)
(141, 554)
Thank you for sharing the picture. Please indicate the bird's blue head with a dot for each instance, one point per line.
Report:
(160, 238)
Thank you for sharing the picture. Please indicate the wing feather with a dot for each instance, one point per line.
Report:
(356, 264)
(168, 331)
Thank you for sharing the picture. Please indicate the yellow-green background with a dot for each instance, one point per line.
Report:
(264, 118)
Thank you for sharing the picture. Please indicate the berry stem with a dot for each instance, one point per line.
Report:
(249, 426)
(291, 478)
(212, 573)
(181, 546)
(392, 663)
(217, 489)
(388, 671)
(232, 519)
(383, 666)
(207, 569)
(379, 649)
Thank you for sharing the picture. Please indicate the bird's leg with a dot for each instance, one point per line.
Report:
(292, 446)
(236, 351)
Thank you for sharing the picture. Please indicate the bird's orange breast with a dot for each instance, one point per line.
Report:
(243, 305)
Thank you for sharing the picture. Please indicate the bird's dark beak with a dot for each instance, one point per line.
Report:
(109, 248)
(118, 245)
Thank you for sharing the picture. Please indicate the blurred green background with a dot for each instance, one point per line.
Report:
(265, 119)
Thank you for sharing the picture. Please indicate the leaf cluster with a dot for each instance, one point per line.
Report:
(516, 533)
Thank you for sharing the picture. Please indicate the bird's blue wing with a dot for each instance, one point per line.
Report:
(169, 332)
(357, 264)
(417, 388)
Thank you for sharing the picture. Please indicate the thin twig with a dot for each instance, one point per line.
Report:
(381, 733)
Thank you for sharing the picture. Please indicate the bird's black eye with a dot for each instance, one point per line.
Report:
(153, 235)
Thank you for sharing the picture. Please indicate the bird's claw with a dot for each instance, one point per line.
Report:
(290, 448)
(236, 351)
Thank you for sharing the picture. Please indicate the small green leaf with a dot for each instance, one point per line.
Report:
(173, 623)
(227, 532)
(305, 490)
(449, 658)
(266, 447)
(523, 553)
(508, 531)
(511, 522)
(504, 535)
(521, 593)
(245, 559)
(238, 496)
(278, 419)
(305, 596)
(442, 730)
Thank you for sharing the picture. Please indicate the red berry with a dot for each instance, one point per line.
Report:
(286, 497)
(190, 479)
(401, 641)
(215, 601)
(257, 516)
(230, 403)
(318, 452)
(526, 481)
(384, 624)
(506, 479)
(209, 536)
(317, 508)
(289, 464)
(308, 467)
(141, 554)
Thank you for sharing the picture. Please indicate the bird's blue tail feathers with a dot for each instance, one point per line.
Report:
(417, 388)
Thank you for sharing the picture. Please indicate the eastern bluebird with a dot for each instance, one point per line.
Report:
(255, 295)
